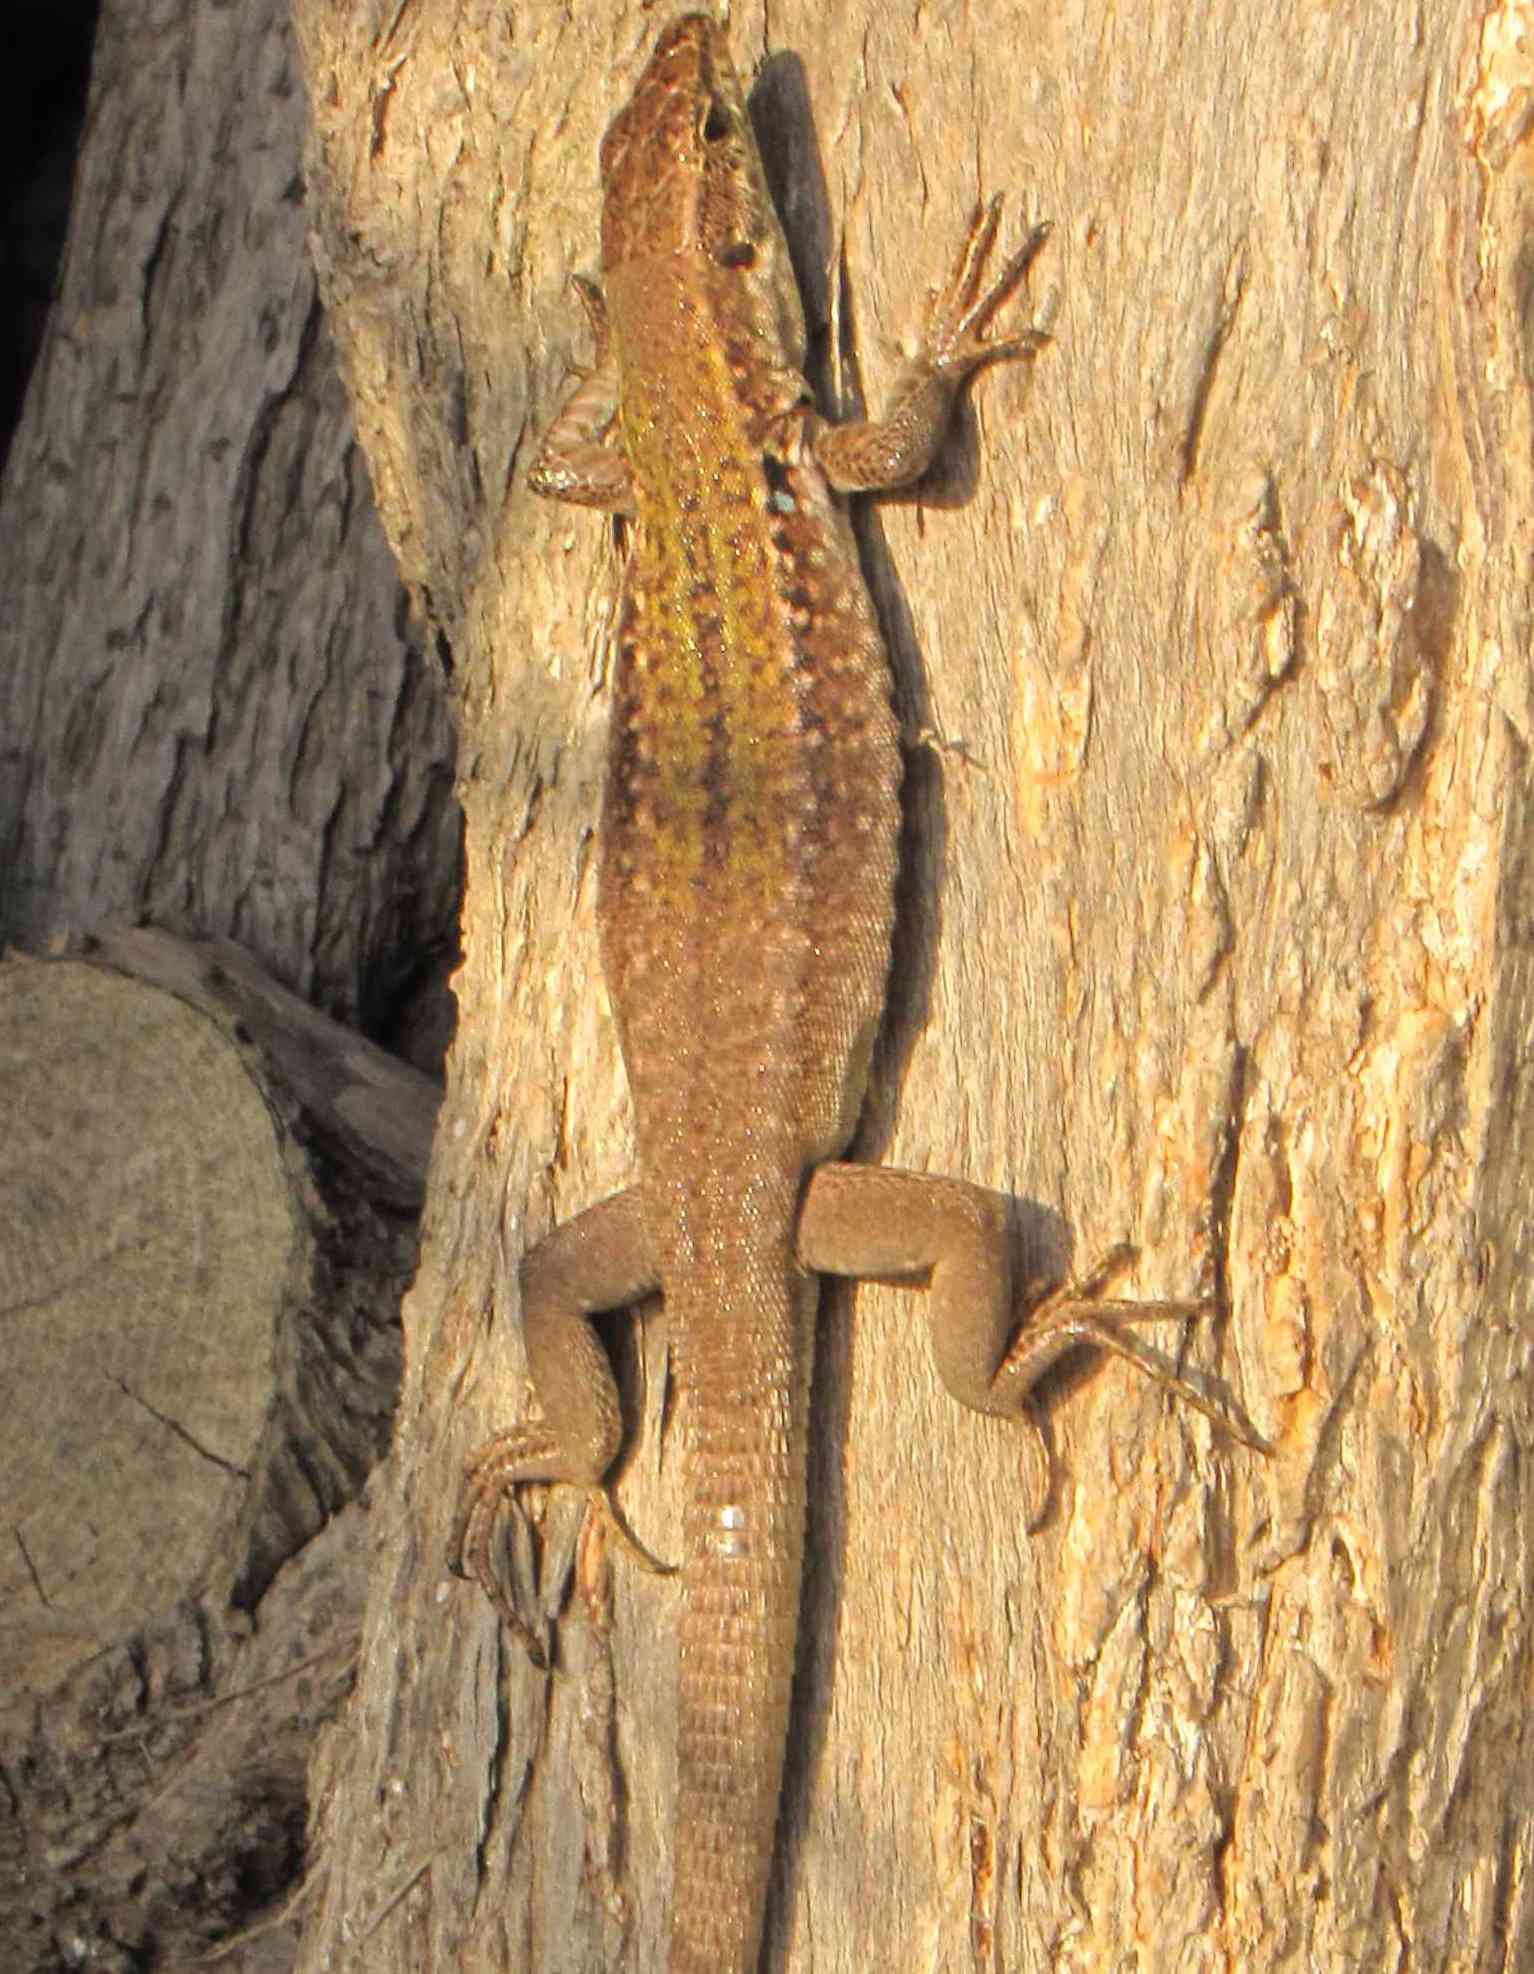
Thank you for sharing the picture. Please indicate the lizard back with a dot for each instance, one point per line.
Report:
(751, 812)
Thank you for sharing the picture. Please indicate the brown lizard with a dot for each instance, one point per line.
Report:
(746, 903)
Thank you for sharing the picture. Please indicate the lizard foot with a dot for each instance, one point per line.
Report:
(956, 342)
(492, 1486)
(1082, 1312)
(490, 1494)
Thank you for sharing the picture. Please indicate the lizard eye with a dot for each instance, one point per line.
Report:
(716, 122)
(739, 253)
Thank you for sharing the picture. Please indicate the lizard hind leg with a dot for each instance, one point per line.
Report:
(599, 1260)
(874, 1221)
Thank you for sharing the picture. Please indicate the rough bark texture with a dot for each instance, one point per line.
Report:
(208, 1199)
(210, 713)
(1214, 939)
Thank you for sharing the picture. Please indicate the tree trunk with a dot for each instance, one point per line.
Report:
(210, 713)
(1212, 940)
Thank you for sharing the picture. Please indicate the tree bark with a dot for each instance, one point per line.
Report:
(214, 714)
(1213, 939)
(211, 713)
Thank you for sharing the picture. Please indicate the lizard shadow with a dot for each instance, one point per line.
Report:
(781, 114)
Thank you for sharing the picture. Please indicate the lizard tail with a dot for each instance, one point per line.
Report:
(748, 1401)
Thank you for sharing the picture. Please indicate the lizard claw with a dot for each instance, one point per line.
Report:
(1080, 1312)
(605, 1511)
(491, 1498)
(594, 302)
(956, 342)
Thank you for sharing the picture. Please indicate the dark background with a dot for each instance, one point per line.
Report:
(43, 79)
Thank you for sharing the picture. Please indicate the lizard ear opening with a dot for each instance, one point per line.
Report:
(716, 123)
(737, 253)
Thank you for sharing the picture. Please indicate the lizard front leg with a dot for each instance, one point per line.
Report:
(872, 1220)
(602, 1259)
(580, 459)
(872, 455)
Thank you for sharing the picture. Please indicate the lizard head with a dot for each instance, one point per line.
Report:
(681, 171)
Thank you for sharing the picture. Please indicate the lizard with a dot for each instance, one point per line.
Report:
(746, 900)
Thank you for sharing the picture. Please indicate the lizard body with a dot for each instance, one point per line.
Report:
(746, 903)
